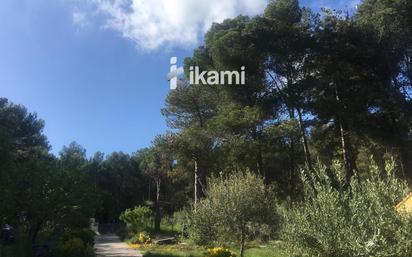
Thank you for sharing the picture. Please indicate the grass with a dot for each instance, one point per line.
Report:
(189, 250)
(174, 250)
(265, 252)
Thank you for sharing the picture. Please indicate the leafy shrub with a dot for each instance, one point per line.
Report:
(78, 242)
(335, 220)
(219, 252)
(86, 235)
(135, 239)
(75, 247)
(182, 220)
(232, 206)
(136, 219)
(22, 247)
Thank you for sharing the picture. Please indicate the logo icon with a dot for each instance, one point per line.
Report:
(174, 73)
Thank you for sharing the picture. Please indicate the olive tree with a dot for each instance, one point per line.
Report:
(334, 220)
(234, 205)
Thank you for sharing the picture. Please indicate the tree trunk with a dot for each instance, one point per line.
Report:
(34, 231)
(304, 140)
(157, 207)
(406, 162)
(195, 187)
(259, 164)
(347, 152)
(242, 242)
(293, 176)
(149, 192)
(343, 144)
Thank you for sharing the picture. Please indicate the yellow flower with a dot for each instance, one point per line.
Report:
(219, 252)
(144, 238)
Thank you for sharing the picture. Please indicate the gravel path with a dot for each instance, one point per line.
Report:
(109, 245)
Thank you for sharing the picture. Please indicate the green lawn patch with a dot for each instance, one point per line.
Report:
(175, 250)
(264, 252)
(188, 250)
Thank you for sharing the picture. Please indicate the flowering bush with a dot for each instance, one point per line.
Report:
(141, 238)
(144, 238)
(219, 252)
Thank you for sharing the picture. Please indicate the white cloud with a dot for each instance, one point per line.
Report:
(80, 19)
(154, 24)
(349, 4)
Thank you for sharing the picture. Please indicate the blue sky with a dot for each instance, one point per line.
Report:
(95, 70)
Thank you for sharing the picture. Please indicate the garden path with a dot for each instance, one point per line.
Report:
(109, 245)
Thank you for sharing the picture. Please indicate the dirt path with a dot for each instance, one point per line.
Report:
(109, 245)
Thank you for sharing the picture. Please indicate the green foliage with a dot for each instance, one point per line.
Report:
(286, 10)
(232, 206)
(323, 86)
(79, 205)
(391, 18)
(118, 182)
(75, 247)
(318, 85)
(137, 219)
(182, 219)
(334, 220)
(58, 188)
(20, 248)
(134, 239)
(86, 235)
